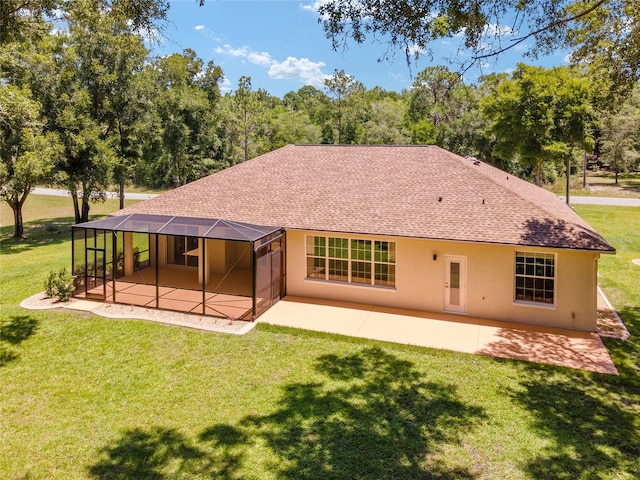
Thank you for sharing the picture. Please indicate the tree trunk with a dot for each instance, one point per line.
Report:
(16, 202)
(616, 177)
(538, 173)
(17, 219)
(85, 208)
(74, 196)
(568, 177)
(121, 194)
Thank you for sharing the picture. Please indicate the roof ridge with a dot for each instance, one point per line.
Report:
(356, 145)
(583, 225)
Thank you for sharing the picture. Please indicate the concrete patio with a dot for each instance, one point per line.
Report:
(555, 346)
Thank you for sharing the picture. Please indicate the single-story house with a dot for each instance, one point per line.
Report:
(412, 227)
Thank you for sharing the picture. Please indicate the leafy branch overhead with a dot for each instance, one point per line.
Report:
(604, 34)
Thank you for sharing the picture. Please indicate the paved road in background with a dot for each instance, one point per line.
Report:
(611, 201)
(65, 193)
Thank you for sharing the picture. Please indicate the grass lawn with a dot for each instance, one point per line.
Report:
(87, 397)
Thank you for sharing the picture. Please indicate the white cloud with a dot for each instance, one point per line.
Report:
(209, 34)
(313, 6)
(227, 49)
(303, 69)
(310, 73)
(415, 49)
(260, 58)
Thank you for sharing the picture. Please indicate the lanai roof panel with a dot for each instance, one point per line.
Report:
(182, 226)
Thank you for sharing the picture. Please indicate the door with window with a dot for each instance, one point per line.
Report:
(455, 286)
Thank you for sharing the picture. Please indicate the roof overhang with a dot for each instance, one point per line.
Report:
(183, 226)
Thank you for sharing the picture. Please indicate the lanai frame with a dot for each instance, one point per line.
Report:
(103, 252)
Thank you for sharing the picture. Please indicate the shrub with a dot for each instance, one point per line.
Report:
(50, 283)
(59, 284)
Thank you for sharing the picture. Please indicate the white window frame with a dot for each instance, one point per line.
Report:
(320, 263)
(535, 280)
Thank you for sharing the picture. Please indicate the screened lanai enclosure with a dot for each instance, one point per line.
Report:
(204, 266)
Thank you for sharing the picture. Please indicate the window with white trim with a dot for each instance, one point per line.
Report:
(535, 277)
(366, 262)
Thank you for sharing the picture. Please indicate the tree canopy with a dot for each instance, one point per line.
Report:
(601, 34)
(86, 107)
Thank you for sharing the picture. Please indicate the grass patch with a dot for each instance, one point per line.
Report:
(600, 184)
(620, 278)
(87, 397)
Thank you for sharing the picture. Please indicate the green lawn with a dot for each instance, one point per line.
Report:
(87, 397)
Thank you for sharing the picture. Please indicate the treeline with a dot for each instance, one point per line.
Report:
(88, 107)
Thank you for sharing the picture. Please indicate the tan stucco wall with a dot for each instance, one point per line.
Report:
(216, 256)
(490, 281)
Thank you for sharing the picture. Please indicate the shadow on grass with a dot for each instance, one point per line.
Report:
(371, 416)
(591, 420)
(13, 332)
(378, 419)
(38, 233)
(626, 354)
(593, 428)
(153, 455)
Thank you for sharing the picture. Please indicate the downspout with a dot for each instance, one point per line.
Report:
(73, 256)
(596, 291)
(86, 279)
(114, 265)
(253, 281)
(157, 275)
(204, 279)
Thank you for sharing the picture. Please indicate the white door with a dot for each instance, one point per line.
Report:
(455, 286)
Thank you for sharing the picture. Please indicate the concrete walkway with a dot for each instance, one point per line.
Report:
(555, 346)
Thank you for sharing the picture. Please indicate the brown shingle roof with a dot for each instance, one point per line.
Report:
(409, 191)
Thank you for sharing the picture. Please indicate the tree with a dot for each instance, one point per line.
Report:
(27, 153)
(539, 115)
(620, 141)
(444, 110)
(22, 19)
(602, 34)
(311, 100)
(109, 58)
(346, 95)
(291, 127)
(209, 81)
(386, 123)
(246, 123)
(431, 95)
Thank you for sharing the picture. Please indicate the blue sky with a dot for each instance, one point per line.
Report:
(282, 47)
